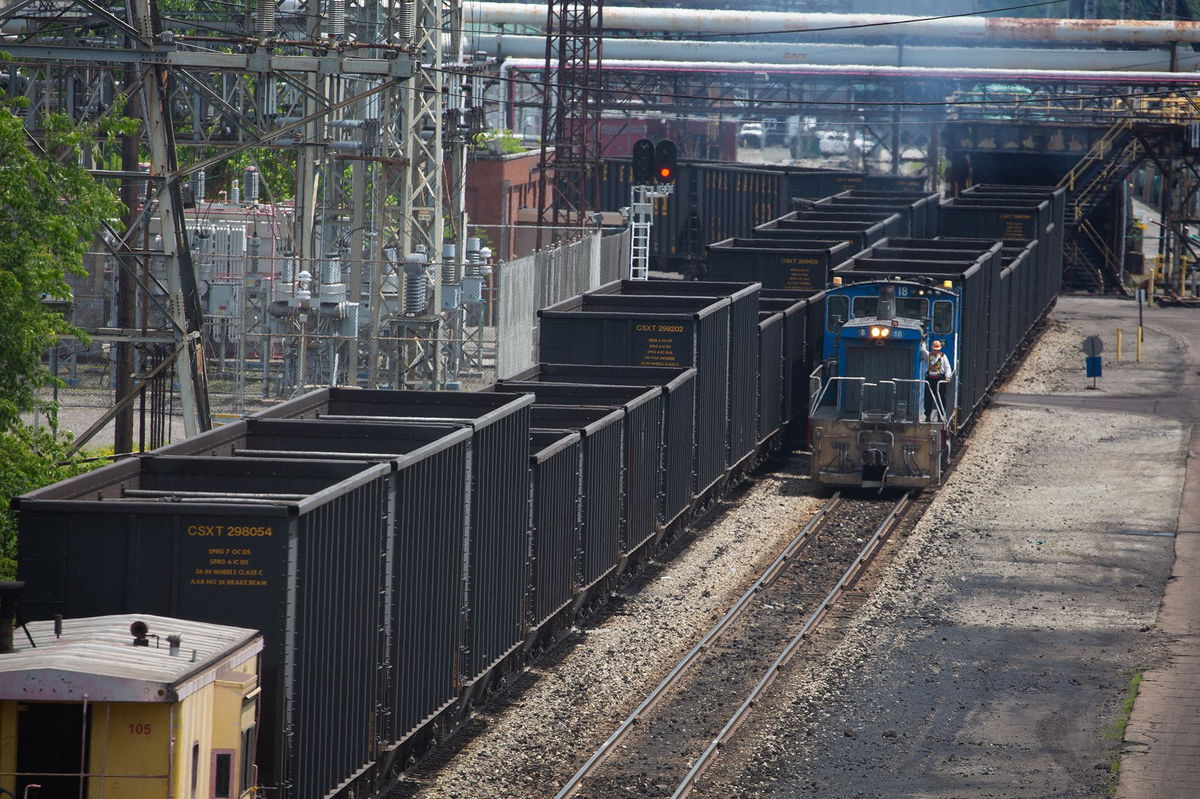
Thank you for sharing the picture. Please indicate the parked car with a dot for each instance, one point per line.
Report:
(751, 135)
(834, 142)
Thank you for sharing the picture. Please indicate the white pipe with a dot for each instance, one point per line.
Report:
(676, 20)
(965, 73)
(1052, 58)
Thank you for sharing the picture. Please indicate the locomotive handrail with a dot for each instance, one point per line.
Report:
(938, 406)
(822, 389)
(844, 389)
(912, 414)
(818, 388)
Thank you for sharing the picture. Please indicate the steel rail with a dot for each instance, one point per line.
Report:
(765, 579)
(847, 580)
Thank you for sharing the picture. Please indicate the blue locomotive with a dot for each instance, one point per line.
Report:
(875, 420)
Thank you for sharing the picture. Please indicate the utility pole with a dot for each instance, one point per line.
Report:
(421, 215)
(182, 292)
(126, 296)
(571, 103)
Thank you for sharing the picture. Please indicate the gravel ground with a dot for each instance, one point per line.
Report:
(554, 724)
(79, 408)
(993, 656)
(654, 757)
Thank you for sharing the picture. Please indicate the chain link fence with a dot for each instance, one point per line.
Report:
(259, 351)
(544, 278)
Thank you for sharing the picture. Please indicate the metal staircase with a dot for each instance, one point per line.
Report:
(1101, 169)
(1110, 174)
(1079, 270)
(1095, 266)
(1112, 262)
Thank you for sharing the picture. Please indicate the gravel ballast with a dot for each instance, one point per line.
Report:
(990, 659)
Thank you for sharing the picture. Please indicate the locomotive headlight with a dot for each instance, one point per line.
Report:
(875, 332)
(885, 331)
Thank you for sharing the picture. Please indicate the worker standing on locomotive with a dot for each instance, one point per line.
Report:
(937, 372)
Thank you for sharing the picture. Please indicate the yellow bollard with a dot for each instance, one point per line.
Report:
(1119, 333)
(1139, 344)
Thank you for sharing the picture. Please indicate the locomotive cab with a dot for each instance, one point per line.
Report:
(875, 422)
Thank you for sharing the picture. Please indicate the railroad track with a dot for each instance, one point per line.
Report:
(667, 742)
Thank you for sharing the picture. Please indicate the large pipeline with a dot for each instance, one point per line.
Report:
(882, 26)
(957, 73)
(890, 55)
(512, 68)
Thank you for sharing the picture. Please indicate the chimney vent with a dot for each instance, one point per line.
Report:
(139, 630)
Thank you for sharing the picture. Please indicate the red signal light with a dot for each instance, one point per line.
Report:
(664, 161)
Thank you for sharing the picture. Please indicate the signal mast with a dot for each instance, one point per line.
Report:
(653, 177)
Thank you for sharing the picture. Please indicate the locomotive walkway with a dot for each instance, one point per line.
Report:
(1162, 740)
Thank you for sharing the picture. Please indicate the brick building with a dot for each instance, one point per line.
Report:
(502, 192)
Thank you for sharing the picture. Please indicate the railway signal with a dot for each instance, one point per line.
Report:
(653, 177)
(643, 161)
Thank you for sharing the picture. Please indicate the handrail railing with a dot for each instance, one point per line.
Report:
(1129, 155)
(1080, 259)
(938, 405)
(1097, 152)
(819, 390)
(1112, 262)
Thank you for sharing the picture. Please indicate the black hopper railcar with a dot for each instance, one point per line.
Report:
(424, 545)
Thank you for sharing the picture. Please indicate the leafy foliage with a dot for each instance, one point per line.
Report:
(502, 141)
(50, 211)
(276, 170)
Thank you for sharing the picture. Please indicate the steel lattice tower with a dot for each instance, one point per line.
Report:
(571, 104)
(358, 94)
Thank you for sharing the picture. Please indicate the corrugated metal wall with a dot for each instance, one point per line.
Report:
(770, 376)
(602, 498)
(555, 477)
(499, 540)
(431, 517)
(340, 574)
(743, 372)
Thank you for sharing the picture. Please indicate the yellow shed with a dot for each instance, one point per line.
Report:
(129, 707)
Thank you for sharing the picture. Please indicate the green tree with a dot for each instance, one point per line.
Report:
(50, 211)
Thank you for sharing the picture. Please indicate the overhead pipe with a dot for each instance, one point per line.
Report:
(882, 26)
(517, 65)
(867, 55)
